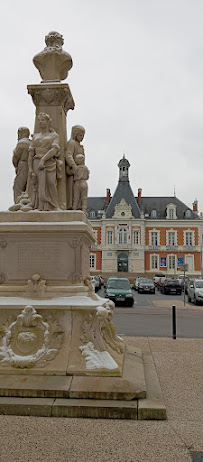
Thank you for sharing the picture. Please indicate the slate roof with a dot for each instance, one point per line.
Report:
(160, 204)
(94, 204)
(124, 191)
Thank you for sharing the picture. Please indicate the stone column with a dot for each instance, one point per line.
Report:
(53, 97)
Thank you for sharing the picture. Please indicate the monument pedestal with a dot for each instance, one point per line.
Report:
(57, 336)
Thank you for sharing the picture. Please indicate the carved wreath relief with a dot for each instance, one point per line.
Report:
(29, 340)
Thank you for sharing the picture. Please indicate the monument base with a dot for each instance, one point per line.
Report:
(54, 396)
(59, 351)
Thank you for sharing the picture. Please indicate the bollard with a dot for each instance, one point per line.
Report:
(174, 321)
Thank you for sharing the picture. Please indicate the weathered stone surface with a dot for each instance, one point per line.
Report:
(130, 386)
(40, 407)
(153, 407)
(35, 386)
(102, 409)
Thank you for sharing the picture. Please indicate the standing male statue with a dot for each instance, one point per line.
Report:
(20, 162)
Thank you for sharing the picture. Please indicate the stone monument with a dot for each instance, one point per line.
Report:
(57, 338)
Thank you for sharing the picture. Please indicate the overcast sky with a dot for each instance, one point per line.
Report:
(137, 82)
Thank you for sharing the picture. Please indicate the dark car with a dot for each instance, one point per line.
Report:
(119, 290)
(171, 286)
(146, 285)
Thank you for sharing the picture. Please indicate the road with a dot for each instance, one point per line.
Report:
(151, 315)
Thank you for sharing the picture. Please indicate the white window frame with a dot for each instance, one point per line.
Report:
(186, 261)
(108, 239)
(186, 239)
(153, 213)
(92, 261)
(154, 257)
(173, 267)
(168, 237)
(136, 236)
(171, 209)
(151, 239)
(123, 236)
(92, 214)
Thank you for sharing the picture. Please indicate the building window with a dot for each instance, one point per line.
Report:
(171, 261)
(171, 238)
(92, 214)
(109, 237)
(154, 238)
(136, 237)
(188, 214)
(153, 214)
(189, 238)
(154, 261)
(92, 260)
(122, 237)
(171, 212)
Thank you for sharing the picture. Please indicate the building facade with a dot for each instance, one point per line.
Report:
(143, 235)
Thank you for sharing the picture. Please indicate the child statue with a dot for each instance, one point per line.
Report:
(80, 187)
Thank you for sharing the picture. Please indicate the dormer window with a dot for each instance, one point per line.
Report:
(171, 212)
(92, 214)
(188, 213)
(153, 213)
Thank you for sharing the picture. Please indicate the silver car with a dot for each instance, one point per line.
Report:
(195, 291)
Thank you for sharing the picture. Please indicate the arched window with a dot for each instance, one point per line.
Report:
(153, 213)
(188, 214)
(123, 236)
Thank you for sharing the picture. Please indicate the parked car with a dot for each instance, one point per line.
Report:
(157, 276)
(119, 290)
(146, 285)
(160, 282)
(171, 286)
(95, 283)
(195, 291)
(183, 280)
(136, 282)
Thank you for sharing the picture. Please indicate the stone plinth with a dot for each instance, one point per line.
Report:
(55, 99)
(54, 245)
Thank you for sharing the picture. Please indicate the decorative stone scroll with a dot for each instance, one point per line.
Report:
(29, 340)
(99, 335)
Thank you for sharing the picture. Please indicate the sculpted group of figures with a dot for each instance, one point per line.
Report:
(38, 168)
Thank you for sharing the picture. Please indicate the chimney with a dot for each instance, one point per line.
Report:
(195, 206)
(139, 196)
(108, 196)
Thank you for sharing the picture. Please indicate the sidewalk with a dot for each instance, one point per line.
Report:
(179, 365)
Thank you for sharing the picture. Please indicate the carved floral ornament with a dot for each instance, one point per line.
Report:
(29, 340)
(52, 96)
(99, 335)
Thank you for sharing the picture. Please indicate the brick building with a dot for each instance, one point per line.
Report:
(141, 235)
